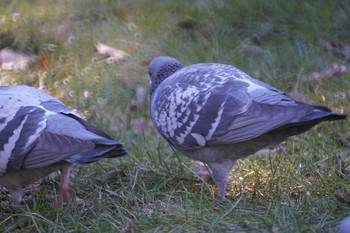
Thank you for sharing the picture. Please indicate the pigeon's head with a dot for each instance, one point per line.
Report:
(160, 68)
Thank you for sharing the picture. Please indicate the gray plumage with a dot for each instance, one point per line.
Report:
(39, 134)
(344, 226)
(215, 113)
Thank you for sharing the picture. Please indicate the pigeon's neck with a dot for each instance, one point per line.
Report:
(163, 74)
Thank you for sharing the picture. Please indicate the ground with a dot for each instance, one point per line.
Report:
(300, 47)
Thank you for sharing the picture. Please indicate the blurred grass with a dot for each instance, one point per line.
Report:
(154, 189)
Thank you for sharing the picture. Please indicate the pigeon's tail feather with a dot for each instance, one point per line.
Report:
(101, 151)
(322, 113)
(304, 123)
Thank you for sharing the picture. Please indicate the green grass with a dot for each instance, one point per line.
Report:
(155, 190)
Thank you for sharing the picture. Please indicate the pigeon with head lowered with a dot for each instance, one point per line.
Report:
(215, 113)
(39, 135)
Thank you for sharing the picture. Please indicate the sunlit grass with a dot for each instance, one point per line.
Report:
(154, 189)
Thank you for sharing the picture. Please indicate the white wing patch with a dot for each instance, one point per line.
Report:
(199, 138)
(215, 124)
(9, 146)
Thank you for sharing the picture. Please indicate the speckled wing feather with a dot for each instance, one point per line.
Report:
(189, 105)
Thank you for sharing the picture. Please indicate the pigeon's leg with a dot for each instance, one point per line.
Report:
(220, 174)
(65, 191)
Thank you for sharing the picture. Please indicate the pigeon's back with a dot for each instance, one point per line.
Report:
(37, 130)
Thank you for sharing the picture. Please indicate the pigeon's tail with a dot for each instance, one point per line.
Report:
(111, 149)
(317, 115)
(104, 145)
(322, 113)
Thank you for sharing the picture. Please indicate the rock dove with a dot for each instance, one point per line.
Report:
(39, 135)
(215, 113)
(344, 226)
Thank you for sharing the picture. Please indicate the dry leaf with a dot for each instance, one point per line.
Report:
(11, 60)
(331, 71)
(187, 24)
(129, 226)
(113, 53)
(114, 174)
(140, 94)
(138, 125)
(276, 229)
(252, 49)
(133, 105)
(63, 27)
(339, 195)
(337, 48)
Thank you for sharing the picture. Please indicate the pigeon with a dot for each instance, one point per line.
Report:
(40, 135)
(216, 113)
(344, 226)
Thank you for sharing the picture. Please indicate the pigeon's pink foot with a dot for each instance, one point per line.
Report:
(65, 191)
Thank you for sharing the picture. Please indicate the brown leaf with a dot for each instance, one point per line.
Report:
(252, 49)
(334, 70)
(339, 195)
(113, 53)
(129, 226)
(276, 229)
(140, 94)
(133, 105)
(63, 27)
(138, 125)
(11, 60)
(337, 48)
(114, 174)
(187, 24)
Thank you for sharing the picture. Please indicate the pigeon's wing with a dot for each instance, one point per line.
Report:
(21, 123)
(188, 106)
(37, 130)
(269, 109)
(69, 137)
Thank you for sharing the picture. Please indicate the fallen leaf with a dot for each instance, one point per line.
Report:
(140, 94)
(133, 105)
(114, 174)
(129, 226)
(113, 53)
(339, 195)
(246, 224)
(337, 48)
(334, 70)
(138, 125)
(11, 60)
(276, 229)
(63, 27)
(187, 24)
(252, 49)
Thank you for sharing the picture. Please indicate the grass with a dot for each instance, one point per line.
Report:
(154, 189)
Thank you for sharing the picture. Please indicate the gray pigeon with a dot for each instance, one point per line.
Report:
(39, 135)
(215, 113)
